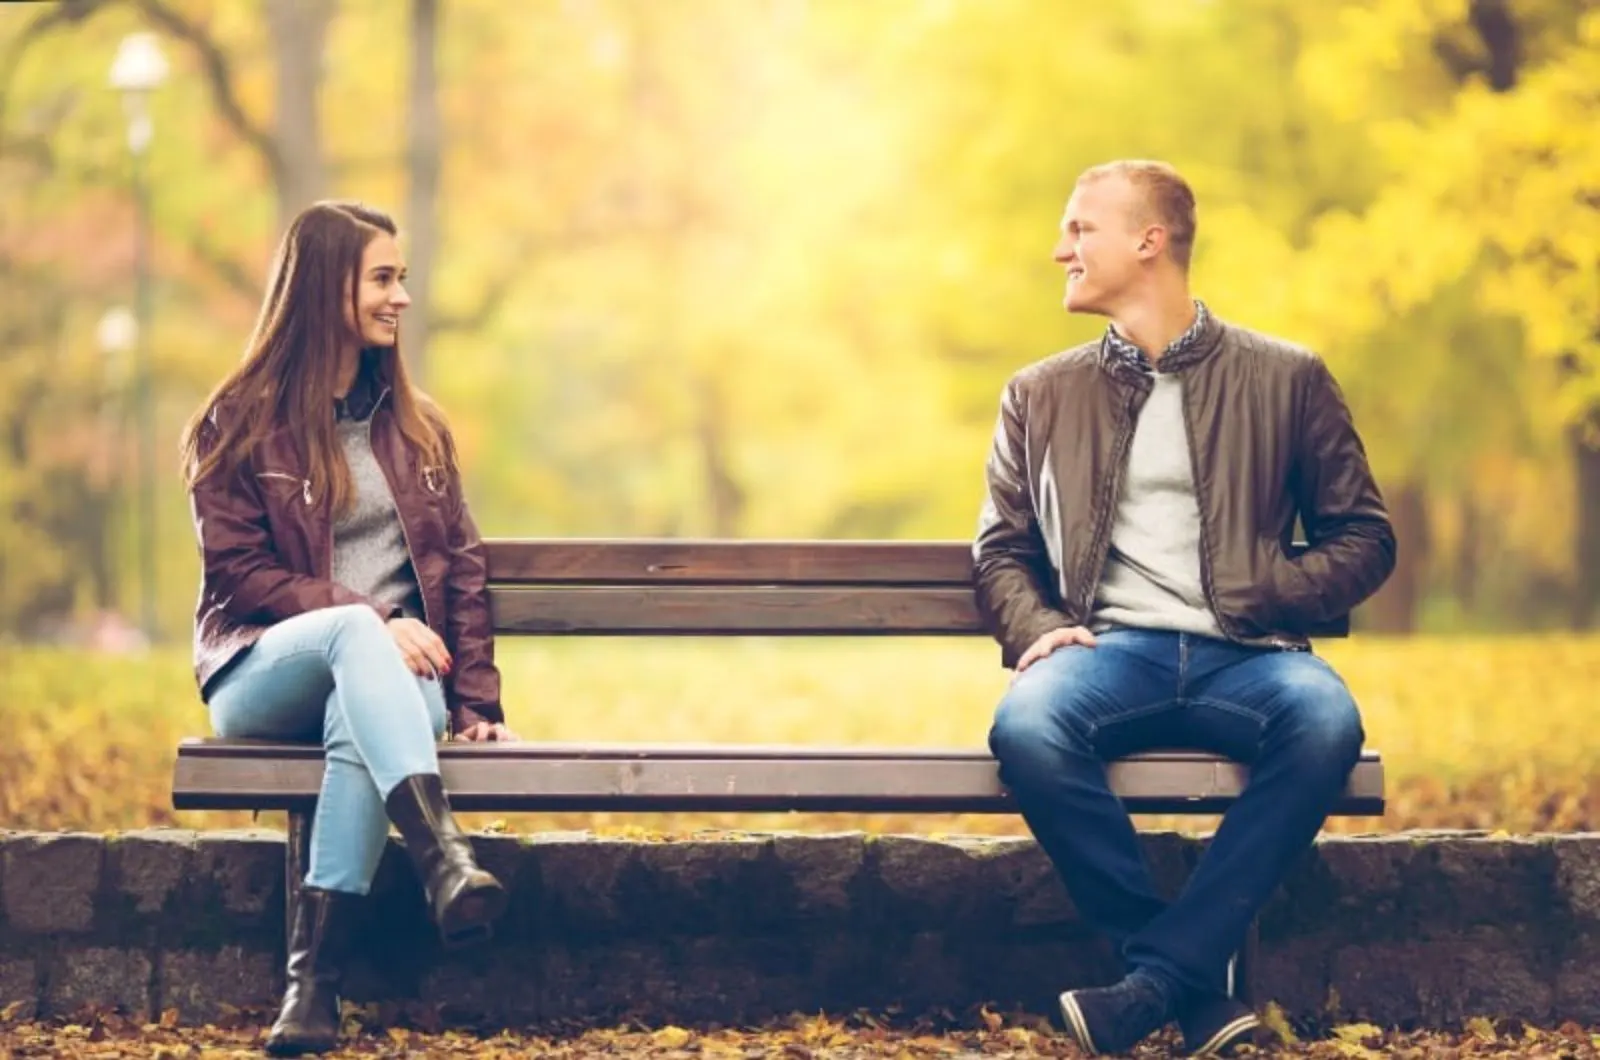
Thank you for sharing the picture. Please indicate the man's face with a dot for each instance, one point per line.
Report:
(1100, 244)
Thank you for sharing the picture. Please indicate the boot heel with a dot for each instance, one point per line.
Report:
(463, 899)
(468, 919)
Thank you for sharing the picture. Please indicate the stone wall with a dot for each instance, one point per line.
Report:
(1409, 928)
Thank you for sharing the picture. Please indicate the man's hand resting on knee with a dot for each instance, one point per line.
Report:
(1056, 638)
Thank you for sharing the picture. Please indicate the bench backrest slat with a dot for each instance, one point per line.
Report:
(666, 586)
(751, 611)
(664, 561)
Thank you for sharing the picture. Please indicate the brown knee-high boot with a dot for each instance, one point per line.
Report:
(319, 943)
(464, 899)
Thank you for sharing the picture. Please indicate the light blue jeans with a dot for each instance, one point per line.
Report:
(336, 675)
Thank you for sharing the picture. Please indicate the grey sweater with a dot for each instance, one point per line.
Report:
(1151, 578)
(369, 546)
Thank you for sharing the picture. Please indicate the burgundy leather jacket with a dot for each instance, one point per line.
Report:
(266, 549)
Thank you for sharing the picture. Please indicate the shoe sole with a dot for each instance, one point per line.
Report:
(1228, 1035)
(298, 1047)
(1077, 1026)
(470, 919)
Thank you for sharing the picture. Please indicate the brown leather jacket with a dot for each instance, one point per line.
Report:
(266, 554)
(1271, 438)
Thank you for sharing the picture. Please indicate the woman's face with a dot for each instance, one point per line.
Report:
(380, 293)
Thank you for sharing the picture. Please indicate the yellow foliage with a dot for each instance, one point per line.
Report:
(1275, 1020)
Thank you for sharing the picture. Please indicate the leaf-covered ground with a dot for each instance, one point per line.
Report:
(985, 1034)
(1477, 733)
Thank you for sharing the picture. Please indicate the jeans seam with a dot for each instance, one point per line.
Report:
(1238, 712)
(1096, 727)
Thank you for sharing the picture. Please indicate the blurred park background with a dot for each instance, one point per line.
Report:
(759, 268)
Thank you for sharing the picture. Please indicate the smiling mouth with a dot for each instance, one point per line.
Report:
(387, 319)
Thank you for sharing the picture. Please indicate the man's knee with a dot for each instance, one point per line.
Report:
(1323, 722)
(1035, 723)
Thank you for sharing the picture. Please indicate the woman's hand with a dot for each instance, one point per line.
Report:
(423, 651)
(487, 732)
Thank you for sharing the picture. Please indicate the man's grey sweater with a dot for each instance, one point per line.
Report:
(1151, 579)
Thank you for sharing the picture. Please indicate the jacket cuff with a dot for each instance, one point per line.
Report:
(1037, 627)
(464, 717)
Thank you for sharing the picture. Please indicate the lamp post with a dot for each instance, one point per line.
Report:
(138, 69)
(118, 333)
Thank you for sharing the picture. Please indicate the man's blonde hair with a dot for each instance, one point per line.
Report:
(1167, 196)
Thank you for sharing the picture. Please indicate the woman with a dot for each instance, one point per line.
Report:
(343, 590)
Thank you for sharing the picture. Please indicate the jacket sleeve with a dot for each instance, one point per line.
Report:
(473, 688)
(243, 572)
(1011, 565)
(1352, 543)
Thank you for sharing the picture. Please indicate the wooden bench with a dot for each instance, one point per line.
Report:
(720, 588)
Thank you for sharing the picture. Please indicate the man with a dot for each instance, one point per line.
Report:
(1135, 561)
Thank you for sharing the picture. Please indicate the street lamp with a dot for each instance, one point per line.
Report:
(139, 69)
(117, 333)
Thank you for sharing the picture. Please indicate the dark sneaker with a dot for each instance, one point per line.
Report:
(1113, 1019)
(1213, 1025)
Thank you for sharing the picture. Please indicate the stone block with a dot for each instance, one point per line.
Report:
(204, 986)
(99, 976)
(50, 881)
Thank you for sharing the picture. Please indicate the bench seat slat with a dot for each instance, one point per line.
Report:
(735, 611)
(936, 782)
(644, 561)
(216, 747)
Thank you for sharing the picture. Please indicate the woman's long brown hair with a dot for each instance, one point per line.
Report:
(291, 363)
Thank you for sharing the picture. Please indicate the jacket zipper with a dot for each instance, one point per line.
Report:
(1101, 543)
(1200, 512)
(399, 514)
(305, 483)
(1223, 623)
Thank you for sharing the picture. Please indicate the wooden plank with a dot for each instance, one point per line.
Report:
(1160, 783)
(647, 561)
(630, 611)
(216, 747)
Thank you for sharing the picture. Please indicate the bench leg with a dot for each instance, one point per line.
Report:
(296, 859)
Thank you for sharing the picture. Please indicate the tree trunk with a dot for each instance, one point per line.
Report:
(1465, 583)
(724, 495)
(1585, 443)
(299, 31)
(423, 152)
(1393, 609)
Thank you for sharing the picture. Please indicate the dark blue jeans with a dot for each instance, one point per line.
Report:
(1286, 713)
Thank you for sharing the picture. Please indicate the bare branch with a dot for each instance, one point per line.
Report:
(64, 13)
(495, 294)
(226, 268)
(220, 77)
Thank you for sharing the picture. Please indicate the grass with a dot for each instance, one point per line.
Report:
(1490, 733)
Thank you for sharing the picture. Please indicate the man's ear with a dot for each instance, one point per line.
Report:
(1152, 241)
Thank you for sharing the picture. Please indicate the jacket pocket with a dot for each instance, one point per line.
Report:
(284, 484)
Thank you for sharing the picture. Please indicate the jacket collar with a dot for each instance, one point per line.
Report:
(1122, 358)
(366, 393)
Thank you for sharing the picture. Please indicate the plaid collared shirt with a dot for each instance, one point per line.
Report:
(1122, 350)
